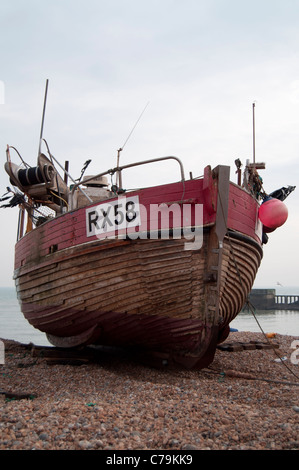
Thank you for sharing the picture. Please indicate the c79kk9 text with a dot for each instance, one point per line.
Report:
(155, 459)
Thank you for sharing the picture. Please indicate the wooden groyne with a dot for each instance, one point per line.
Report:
(267, 299)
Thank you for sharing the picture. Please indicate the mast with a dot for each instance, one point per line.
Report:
(253, 118)
(43, 118)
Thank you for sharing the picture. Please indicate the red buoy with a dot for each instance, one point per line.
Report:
(272, 213)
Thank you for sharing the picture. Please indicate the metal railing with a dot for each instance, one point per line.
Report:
(119, 169)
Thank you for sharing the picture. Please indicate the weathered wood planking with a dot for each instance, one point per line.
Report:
(137, 281)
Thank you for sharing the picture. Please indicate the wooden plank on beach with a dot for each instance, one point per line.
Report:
(17, 395)
(252, 345)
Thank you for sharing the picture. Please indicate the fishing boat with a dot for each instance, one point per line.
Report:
(162, 270)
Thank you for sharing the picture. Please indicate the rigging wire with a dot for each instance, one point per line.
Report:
(24, 163)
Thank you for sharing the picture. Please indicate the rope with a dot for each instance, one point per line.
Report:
(251, 308)
(240, 375)
(59, 197)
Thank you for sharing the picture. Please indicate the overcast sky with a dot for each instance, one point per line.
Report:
(200, 64)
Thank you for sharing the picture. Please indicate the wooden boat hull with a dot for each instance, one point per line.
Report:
(151, 293)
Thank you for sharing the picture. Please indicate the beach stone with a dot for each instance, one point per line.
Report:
(85, 445)
(189, 447)
(137, 407)
(98, 444)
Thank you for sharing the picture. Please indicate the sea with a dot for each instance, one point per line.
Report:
(13, 325)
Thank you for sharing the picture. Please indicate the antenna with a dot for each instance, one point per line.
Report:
(135, 126)
(43, 118)
(121, 148)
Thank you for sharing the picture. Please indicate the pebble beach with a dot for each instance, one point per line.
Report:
(245, 400)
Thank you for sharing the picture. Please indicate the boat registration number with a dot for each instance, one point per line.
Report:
(107, 219)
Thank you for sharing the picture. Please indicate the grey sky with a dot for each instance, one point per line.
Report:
(199, 64)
